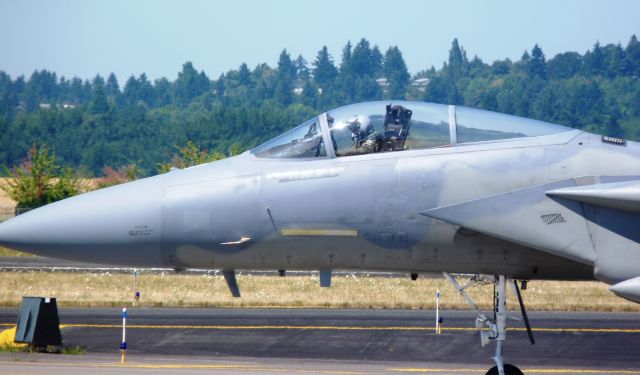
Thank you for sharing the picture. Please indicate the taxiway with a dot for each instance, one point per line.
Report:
(330, 341)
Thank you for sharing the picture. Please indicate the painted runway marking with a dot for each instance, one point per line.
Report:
(346, 328)
(256, 368)
(437, 370)
(527, 371)
(320, 232)
(178, 366)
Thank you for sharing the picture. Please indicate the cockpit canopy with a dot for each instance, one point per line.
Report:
(374, 127)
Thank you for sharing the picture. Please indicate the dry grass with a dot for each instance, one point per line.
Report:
(172, 290)
(7, 206)
(4, 252)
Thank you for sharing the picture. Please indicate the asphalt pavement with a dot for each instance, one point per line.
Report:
(226, 340)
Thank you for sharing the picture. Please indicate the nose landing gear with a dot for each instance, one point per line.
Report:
(492, 329)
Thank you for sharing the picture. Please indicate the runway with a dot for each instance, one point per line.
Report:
(331, 341)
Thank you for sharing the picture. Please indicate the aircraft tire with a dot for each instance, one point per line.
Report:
(508, 370)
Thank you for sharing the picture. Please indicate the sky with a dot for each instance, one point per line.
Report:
(128, 37)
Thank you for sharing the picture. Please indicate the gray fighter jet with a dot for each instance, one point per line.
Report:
(390, 186)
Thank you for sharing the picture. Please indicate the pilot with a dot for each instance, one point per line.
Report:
(360, 127)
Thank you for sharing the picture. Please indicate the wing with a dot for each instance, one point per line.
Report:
(527, 217)
(592, 220)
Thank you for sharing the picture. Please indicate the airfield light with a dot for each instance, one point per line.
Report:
(438, 318)
(136, 293)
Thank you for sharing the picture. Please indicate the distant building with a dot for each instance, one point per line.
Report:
(382, 82)
(421, 83)
(63, 106)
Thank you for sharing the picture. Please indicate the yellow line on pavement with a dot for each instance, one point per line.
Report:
(178, 366)
(320, 232)
(580, 371)
(344, 328)
(527, 371)
(244, 368)
(437, 370)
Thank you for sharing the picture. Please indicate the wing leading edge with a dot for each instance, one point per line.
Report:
(622, 196)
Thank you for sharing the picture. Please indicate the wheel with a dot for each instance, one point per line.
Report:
(508, 370)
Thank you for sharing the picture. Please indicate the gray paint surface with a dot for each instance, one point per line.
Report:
(409, 210)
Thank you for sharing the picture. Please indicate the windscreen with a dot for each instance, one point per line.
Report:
(303, 141)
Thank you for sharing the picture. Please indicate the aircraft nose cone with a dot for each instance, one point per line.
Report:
(11, 233)
(116, 225)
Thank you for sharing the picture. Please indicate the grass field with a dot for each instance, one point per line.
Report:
(176, 290)
(4, 252)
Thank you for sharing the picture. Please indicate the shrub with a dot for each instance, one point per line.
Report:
(39, 180)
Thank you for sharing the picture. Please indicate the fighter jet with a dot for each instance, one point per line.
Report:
(389, 186)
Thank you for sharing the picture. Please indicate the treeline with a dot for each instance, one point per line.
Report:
(100, 123)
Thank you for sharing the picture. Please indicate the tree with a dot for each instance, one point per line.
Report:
(129, 172)
(396, 73)
(79, 93)
(111, 88)
(501, 67)
(359, 79)
(219, 87)
(457, 66)
(537, 65)
(437, 90)
(302, 71)
(345, 64)
(39, 180)
(239, 107)
(361, 62)
(162, 92)
(42, 88)
(633, 55)
(8, 95)
(522, 66)
(377, 61)
(476, 68)
(190, 84)
(564, 65)
(618, 63)
(285, 79)
(324, 72)
(594, 61)
(189, 156)
(309, 94)
(244, 75)
(98, 102)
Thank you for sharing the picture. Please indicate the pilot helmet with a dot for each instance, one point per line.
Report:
(358, 122)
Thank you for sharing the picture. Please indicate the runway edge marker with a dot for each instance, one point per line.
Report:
(123, 344)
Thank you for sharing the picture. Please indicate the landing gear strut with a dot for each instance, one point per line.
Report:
(491, 329)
